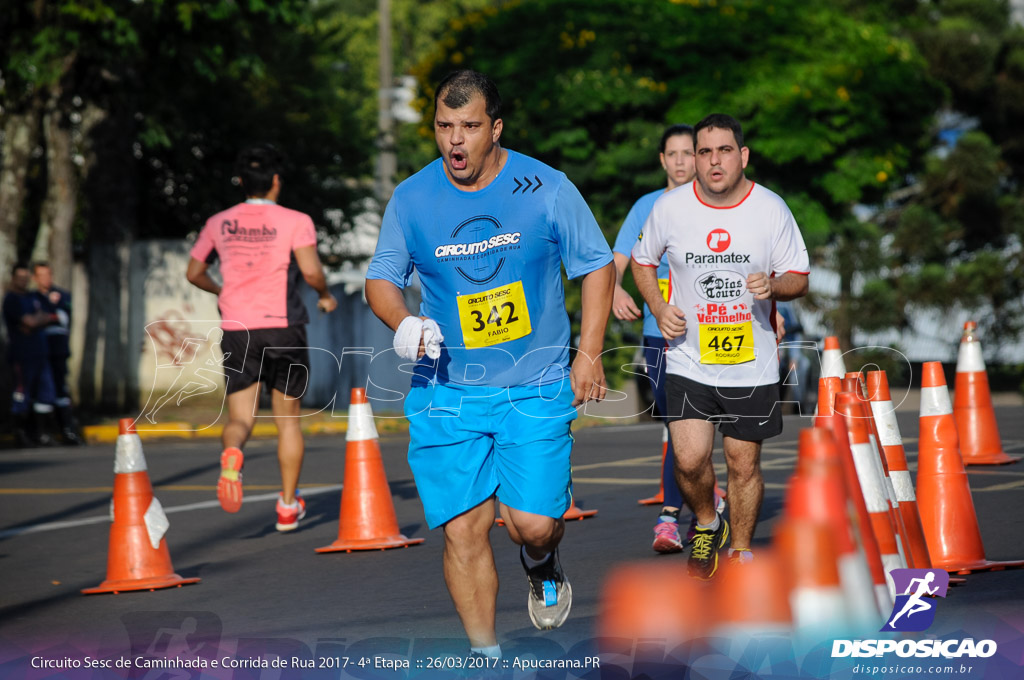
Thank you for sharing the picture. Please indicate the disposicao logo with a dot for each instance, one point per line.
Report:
(911, 611)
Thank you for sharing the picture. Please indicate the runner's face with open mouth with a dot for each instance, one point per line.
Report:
(468, 141)
(720, 163)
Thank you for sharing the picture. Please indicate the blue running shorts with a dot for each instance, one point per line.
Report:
(469, 442)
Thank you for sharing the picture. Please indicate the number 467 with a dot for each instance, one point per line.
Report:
(725, 343)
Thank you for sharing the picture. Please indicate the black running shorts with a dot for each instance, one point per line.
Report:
(746, 413)
(277, 357)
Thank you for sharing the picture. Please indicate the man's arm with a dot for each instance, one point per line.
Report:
(200, 278)
(587, 374)
(671, 320)
(789, 286)
(387, 302)
(623, 306)
(313, 272)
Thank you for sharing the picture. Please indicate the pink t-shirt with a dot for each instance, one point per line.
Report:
(254, 242)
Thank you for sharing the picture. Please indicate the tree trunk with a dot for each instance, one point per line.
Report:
(21, 136)
(109, 380)
(53, 242)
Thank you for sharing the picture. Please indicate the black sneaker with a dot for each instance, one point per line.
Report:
(703, 562)
(550, 593)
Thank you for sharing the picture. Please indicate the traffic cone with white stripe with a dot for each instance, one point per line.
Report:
(659, 497)
(832, 584)
(891, 441)
(853, 383)
(832, 365)
(872, 484)
(972, 406)
(367, 520)
(944, 495)
(818, 492)
(863, 532)
(138, 558)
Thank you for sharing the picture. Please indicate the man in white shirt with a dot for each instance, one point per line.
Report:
(734, 249)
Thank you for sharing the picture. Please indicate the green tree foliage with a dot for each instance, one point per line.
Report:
(954, 227)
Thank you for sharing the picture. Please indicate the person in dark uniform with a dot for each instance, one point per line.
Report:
(28, 354)
(56, 302)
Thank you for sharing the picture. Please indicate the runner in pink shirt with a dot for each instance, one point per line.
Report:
(264, 251)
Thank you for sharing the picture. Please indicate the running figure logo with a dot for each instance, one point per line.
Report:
(911, 612)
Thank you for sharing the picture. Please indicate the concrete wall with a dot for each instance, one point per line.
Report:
(153, 350)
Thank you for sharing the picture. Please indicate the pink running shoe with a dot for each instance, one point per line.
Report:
(666, 538)
(288, 516)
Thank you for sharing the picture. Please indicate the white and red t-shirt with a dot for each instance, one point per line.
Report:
(254, 241)
(730, 337)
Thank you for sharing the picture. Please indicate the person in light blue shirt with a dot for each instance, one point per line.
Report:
(493, 394)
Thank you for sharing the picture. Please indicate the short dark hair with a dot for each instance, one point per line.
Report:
(256, 167)
(18, 265)
(722, 121)
(458, 87)
(40, 263)
(673, 131)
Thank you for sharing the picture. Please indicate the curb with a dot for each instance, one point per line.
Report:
(106, 434)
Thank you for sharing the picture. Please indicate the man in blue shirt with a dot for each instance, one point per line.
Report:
(492, 399)
(56, 302)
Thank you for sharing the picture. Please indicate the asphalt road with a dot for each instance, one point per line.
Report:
(265, 595)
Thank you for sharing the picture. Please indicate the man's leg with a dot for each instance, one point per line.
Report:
(694, 440)
(550, 595)
(539, 535)
(242, 407)
(290, 445)
(470, 573)
(241, 416)
(746, 488)
(692, 443)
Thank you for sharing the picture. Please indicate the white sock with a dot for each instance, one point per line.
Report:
(530, 562)
(493, 652)
(714, 525)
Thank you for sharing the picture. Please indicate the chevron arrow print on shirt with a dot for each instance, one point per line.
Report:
(526, 184)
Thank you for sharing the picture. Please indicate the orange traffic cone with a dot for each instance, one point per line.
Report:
(828, 388)
(972, 406)
(947, 508)
(752, 599)
(575, 513)
(854, 384)
(832, 365)
(647, 600)
(367, 520)
(816, 595)
(659, 497)
(891, 441)
(817, 494)
(138, 558)
(861, 518)
(872, 483)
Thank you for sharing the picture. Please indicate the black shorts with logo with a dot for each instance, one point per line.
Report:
(277, 357)
(746, 413)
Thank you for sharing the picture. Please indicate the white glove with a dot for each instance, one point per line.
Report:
(432, 338)
(411, 331)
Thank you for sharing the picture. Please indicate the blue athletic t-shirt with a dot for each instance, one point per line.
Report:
(628, 234)
(489, 264)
